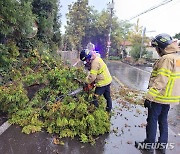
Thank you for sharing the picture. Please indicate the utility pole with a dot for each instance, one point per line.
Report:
(142, 42)
(110, 7)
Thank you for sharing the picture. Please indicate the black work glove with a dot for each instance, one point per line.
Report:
(147, 103)
(88, 66)
(84, 85)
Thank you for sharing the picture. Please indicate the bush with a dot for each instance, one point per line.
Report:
(114, 58)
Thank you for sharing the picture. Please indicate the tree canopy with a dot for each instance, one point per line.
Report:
(85, 24)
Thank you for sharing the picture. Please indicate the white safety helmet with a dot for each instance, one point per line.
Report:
(90, 46)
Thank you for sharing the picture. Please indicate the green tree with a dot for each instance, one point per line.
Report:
(16, 22)
(120, 32)
(90, 28)
(86, 24)
(177, 36)
(16, 19)
(101, 31)
(135, 37)
(77, 20)
(48, 20)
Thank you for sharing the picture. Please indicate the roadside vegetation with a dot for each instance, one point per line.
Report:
(33, 75)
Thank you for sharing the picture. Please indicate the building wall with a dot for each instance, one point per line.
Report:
(153, 50)
(149, 49)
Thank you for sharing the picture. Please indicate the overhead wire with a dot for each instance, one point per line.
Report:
(152, 8)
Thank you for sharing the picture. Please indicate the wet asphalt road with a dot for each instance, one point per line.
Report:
(138, 78)
(128, 125)
(133, 77)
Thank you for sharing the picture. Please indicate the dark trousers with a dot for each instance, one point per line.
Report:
(157, 113)
(105, 91)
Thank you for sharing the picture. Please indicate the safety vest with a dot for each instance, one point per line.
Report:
(164, 84)
(99, 73)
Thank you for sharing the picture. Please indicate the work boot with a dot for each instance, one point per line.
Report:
(110, 114)
(108, 109)
(162, 148)
(162, 151)
(142, 146)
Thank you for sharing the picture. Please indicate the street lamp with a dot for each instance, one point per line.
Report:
(110, 7)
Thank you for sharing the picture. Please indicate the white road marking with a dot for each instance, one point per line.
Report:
(4, 127)
(118, 81)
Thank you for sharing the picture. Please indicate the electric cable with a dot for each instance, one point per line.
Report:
(152, 8)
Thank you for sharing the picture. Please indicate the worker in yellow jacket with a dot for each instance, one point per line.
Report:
(164, 90)
(100, 74)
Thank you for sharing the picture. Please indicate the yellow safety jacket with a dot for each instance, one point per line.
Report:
(164, 84)
(99, 73)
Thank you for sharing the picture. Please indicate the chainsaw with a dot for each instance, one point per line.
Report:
(85, 87)
(88, 87)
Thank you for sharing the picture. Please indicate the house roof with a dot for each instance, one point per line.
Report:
(126, 43)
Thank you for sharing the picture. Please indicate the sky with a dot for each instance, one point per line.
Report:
(163, 19)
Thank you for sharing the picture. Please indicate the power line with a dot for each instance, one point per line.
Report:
(152, 8)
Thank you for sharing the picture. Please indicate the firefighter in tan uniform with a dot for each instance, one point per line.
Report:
(100, 74)
(164, 90)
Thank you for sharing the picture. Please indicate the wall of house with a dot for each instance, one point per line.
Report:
(153, 50)
(149, 49)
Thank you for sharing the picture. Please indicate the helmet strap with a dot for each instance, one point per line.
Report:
(160, 51)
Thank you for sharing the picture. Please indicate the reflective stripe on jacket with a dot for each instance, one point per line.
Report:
(164, 84)
(99, 73)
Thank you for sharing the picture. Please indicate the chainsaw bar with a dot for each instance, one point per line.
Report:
(75, 92)
(72, 93)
